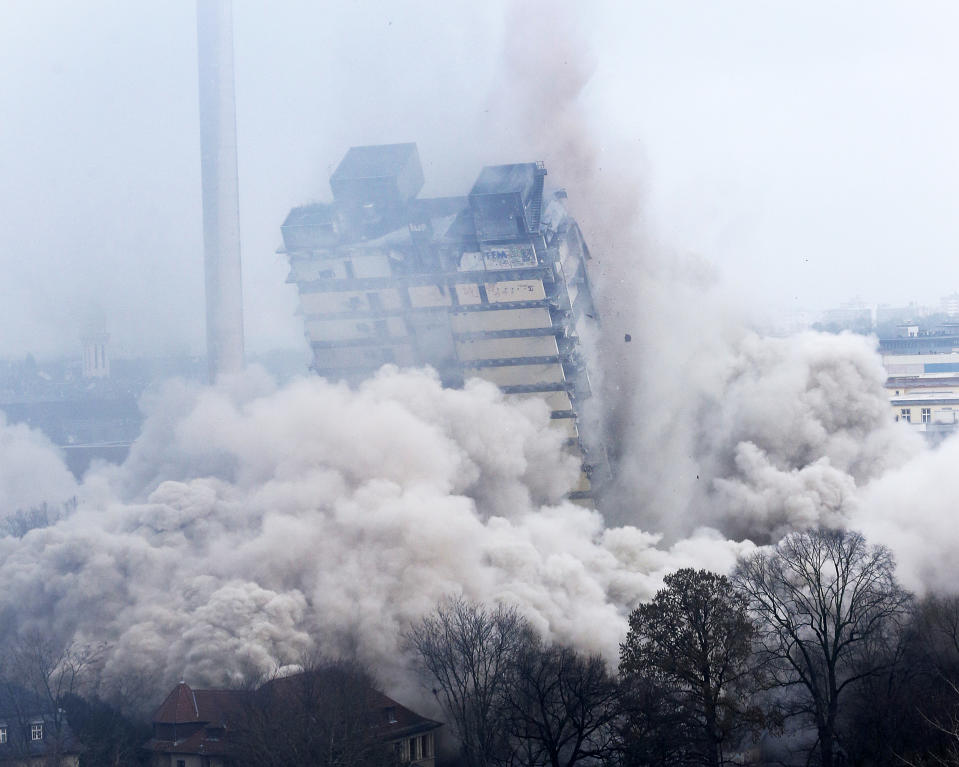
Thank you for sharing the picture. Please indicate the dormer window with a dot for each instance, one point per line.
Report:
(36, 731)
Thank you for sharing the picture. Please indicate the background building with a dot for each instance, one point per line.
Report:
(950, 304)
(492, 284)
(922, 368)
(96, 364)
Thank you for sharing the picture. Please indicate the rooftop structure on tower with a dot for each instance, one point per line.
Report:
(491, 285)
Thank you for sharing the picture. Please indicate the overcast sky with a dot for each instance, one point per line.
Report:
(808, 150)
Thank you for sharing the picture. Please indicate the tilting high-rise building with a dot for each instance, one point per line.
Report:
(491, 285)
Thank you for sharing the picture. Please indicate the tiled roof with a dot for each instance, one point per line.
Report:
(185, 705)
(179, 706)
(200, 711)
(407, 722)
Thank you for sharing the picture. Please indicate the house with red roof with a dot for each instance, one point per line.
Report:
(216, 728)
(190, 728)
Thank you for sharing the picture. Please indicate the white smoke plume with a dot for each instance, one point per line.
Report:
(800, 424)
(913, 510)
(31, 472)
(252, 524)
(707, 423)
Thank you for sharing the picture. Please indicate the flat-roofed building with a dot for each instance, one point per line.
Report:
(923, 382)
(492, 284)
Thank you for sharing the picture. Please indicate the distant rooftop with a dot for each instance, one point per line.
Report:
(383, 161)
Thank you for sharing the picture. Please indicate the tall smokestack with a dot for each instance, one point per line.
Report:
(221, 204)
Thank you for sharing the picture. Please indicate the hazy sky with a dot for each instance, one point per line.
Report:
(808, 150)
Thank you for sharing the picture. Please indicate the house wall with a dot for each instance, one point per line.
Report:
(419, 750)
(923, 412)
(923, 391)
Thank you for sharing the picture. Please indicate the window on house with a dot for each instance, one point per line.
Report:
(391, 715)
(906, 414)
(36, 731)
(414, 752)
(926, 415)
(426, 744)
(3, 734)
(181, 763)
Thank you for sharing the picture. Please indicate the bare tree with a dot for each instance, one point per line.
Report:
(319, 716)
(653, 729)
(560, 707)
(38, 675)
(937, 629)
(469, 652)
(693, 642)
(827, 605)
(922, 723)
(109, 738)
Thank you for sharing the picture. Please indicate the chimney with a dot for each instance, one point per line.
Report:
(221, 205)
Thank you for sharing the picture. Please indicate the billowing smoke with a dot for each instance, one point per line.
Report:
(251, 525)
(707, 422)
(913, 509)
(800, 423)
(31, 472)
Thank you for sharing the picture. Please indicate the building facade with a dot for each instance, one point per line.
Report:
(34, 734)
(491, 285)
(923, 381)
